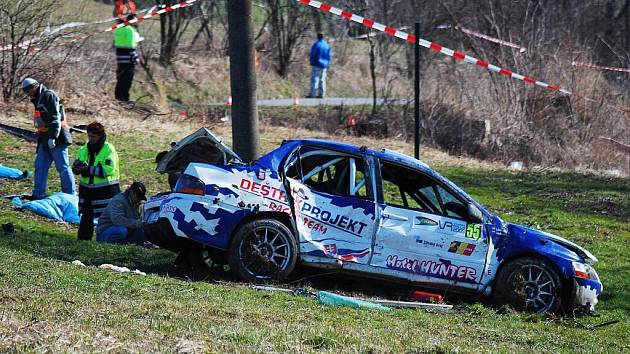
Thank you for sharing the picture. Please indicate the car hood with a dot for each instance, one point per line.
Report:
(200, 146)
(535, 234)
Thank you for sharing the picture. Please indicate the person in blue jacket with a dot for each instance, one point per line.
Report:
(320, 60)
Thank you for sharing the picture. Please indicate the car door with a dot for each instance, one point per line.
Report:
(334, 210)
(423, 231)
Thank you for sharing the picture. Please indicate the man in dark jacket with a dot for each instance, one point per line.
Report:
(121, 221)
(320, 60)
(53, 138)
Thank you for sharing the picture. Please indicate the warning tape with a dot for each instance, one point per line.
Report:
(593, 66)
(441, 49)
(29, 44)
(490, 39)
(152, 14)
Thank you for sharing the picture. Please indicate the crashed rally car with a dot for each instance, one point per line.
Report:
(377, 213)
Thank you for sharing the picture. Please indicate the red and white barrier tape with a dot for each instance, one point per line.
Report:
(29, 44)
(159, 12)
(440, 49)
(593, 66)
(490, 39)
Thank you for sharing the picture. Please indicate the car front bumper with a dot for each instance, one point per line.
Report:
(586, 293)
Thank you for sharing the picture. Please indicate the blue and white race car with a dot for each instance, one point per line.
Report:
(377, 213)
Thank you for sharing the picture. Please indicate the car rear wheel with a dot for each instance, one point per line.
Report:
(263, 250)
(529, 284)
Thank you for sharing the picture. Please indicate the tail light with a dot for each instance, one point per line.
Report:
(190, 185)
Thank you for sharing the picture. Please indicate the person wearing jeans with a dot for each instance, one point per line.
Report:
(53, 138)
(122, 235)
(320, 60)
(121, 221)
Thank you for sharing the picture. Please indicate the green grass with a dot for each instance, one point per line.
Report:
(48, 303)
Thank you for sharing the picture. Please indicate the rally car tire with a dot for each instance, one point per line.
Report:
(528, 284)
(263, 250)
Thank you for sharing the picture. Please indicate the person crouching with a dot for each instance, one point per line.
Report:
(97, 166)
(121, 222)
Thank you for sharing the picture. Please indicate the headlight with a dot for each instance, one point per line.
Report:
(584, 271)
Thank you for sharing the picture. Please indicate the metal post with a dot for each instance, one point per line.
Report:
(243, 79)
(416, 87)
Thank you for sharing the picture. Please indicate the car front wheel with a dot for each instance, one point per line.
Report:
(529, 284)
(263, 250)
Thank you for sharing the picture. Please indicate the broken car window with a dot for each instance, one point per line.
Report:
(330, 172)
(410, 189)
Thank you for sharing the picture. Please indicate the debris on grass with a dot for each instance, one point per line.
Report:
(78, 263)
(418, 305)
(326, 298)
(120, 269)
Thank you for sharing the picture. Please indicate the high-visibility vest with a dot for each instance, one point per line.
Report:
(126, 37)
(105, 161)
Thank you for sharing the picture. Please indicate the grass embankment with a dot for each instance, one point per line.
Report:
(46, 303)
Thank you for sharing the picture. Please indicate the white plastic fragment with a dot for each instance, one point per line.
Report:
(78, 263)
(121, 269)
(516, 165)
(114, 268)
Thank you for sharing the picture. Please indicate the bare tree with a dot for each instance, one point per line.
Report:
(25, 48)
(289, 20)
(172, 27)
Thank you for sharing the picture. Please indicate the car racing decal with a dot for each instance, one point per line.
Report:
(215, 191)
(443, 268)
(266, 190)
(462, 248)
(319, 219)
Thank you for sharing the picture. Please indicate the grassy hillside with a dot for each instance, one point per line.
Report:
(46, 303)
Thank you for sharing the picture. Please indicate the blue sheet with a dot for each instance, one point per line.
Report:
(13, 173)
(59, 206)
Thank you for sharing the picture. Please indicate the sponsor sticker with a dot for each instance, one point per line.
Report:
(442, 268)
(462, 248)
(427, 243)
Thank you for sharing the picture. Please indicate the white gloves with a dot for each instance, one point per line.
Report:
(51, 143)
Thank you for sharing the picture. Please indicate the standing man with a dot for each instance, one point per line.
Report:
(121, 222)
(320, 59)
(126, 41)
(97, 165)
(52, 140)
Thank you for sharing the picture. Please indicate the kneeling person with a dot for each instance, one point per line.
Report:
(121, 221)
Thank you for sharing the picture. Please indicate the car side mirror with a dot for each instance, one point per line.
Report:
(474, 214)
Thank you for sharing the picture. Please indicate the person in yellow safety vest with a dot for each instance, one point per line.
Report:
(97, 165)
(126, 41)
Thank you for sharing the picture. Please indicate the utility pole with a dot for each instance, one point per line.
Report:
(416, 87)
(245, 138)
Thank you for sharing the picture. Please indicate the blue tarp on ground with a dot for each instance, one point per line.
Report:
(59, 206)
(12, 173)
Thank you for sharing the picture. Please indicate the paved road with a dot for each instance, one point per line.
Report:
(328, 101)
